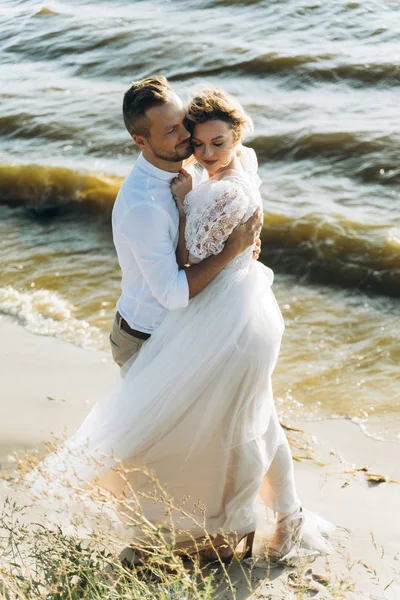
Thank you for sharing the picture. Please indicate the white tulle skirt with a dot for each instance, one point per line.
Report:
(195, 407)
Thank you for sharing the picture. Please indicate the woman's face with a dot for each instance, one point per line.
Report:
(213, 145)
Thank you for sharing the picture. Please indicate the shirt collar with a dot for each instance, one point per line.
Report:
(155, 171)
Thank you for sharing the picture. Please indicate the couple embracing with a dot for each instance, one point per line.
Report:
(197, 332)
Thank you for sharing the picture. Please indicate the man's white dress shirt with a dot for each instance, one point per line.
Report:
(145, 223)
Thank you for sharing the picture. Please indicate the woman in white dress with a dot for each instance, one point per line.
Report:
(196, 404)
(228, 195)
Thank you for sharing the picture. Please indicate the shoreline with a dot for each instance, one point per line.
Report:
(346, 476)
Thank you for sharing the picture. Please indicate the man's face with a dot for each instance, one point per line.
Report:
(169, 140)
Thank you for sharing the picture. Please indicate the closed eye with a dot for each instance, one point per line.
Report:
(197, 145)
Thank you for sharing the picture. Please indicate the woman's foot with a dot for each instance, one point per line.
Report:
(223, 548)
(286, 535)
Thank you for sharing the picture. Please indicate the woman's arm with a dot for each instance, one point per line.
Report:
(223, 209)
(209, 233)
(223, 216)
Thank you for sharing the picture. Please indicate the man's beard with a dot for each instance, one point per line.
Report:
(176, 156)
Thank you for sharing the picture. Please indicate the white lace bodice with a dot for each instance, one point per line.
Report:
(214, 208)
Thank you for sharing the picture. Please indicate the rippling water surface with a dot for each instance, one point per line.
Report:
(322, 84)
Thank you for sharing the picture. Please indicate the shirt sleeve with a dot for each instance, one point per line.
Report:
(146, 231)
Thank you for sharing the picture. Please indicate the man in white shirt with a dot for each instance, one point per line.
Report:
(145, 221)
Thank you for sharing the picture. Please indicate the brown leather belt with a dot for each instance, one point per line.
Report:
(122, 324)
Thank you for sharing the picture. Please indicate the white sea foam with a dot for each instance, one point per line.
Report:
(393, 237)
(48, 313)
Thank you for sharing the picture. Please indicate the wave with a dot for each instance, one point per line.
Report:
(47, 313)
(43, 49)
(104, 55)
(302, 70)
(357, 154)
(334, 251)
(28, 126)
(329, 248)
(306, 143)
(213, 3)
(364, 155)
(45, 189)
(308, 44)
(45, 12)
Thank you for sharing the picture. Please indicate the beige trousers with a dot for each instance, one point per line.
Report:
(123, 345)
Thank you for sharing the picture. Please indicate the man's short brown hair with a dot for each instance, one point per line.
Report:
(141, 96)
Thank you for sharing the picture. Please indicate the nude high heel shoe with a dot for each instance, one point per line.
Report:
(286, 535)
(221, 550)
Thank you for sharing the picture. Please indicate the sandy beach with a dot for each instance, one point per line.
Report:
(352, 480)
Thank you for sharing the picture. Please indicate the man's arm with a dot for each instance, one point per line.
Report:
(145, 228)
(146, 231)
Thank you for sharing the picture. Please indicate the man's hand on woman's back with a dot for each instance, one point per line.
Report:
(246, 234)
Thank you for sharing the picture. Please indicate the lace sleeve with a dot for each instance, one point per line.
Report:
(211, 222)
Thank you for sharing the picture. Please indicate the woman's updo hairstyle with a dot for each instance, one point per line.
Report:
(212, 104)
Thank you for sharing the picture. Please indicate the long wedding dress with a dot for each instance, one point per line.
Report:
(195, 406)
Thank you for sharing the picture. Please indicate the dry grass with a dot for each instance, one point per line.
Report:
(39, 561)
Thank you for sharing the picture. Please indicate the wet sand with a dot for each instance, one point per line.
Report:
(48, 387)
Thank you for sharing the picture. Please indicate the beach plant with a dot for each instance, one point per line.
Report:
(38, 562)
(43, 560)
